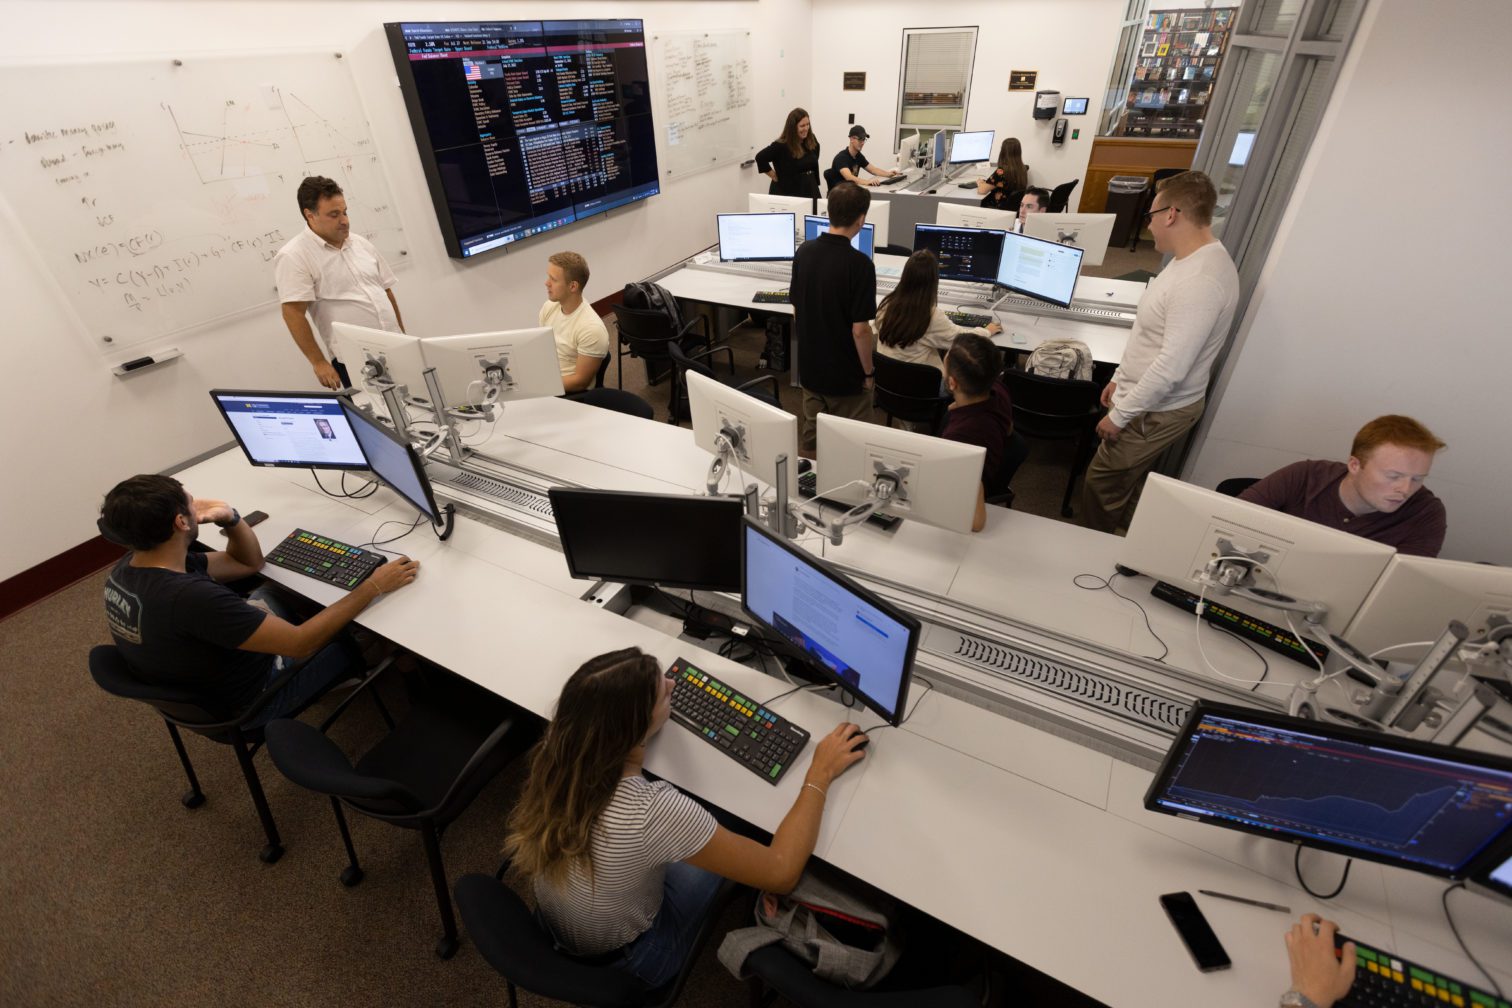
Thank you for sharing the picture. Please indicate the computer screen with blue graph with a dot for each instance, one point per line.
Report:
(1367, 794)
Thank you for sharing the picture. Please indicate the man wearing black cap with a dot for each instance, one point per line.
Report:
(849, 162)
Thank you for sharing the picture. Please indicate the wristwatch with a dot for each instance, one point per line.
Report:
(235, 517)
(1296, 999)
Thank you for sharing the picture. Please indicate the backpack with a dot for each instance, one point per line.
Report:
(1061, 358)
(648, 296)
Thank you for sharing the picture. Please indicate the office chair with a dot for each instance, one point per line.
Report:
(518, 947)
(684, 362)
(1148, 200)
(1057, 409)
(897, 250)
(615, 399)
(998, 491)
(1236, 485)
(832, 178)
(1060, 196)
(645, 333)
(603, 369)
(910, 392)
(775, 972)
(422, 775)
(182, 709)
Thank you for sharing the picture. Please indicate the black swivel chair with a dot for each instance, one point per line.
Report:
(515, 944)
(1236, 485)
(832, 178)
(776, 972)
(1148, 200)
(617, 400)
(910, 392)
(645, 333)
(1057, 409)
(697, 362)
(1060, 196)
(421, 776)
(897, 250)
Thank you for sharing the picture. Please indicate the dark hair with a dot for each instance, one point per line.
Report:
(604, 712)
(789, 138)
(1011, 163)
(314, 189)
(906, 311)
(1041, 196)
(848, 203)
(139, 512)
(971, 362)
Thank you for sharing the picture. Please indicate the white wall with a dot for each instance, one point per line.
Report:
(1070, 43)
(1358, 314)
(76, 430)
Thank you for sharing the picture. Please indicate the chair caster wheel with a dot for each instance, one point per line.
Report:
(271, 853)
(193, 799)
(351, 875)
(446, 948)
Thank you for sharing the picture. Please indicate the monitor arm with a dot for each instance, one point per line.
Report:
(888, 485)
(727, 444)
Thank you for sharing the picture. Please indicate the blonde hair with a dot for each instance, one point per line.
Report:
(573, 266)
(1194, 194)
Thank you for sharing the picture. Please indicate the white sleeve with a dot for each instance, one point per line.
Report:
(294, 280)
(1192, 309)
(676, 826)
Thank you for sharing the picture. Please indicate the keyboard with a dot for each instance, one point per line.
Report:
(771, 297)
(325, 559)
(808, 486)
(894, 179)
(966, 185)
(1385, 979)
(967, 319)
(1257, 631)
(764, 743)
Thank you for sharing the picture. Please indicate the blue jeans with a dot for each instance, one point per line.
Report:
(661, 949)
(337, 661)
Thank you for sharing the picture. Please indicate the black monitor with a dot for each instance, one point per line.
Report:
(842, 631)
(393, 461)
(970, 254)
(1415, 805)
(1492, 874)
(304, 430)
(672, 540)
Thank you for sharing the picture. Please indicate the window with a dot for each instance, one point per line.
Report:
(935, 80)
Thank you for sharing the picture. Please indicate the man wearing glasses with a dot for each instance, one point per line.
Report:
(1157, 393)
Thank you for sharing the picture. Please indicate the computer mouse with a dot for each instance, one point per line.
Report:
(865, 740)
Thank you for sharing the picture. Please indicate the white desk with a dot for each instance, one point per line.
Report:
(1034, 844)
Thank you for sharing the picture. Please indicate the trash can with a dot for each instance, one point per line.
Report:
(1125, 197)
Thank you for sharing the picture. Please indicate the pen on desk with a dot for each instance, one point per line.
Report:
(1247, 902)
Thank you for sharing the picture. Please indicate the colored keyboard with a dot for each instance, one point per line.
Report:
(325, 559)
(1385, 979)
(967, 319)
(771, 297)
(742, 729)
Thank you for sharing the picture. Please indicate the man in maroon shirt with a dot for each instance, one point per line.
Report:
(981, 414)
(1377, 494)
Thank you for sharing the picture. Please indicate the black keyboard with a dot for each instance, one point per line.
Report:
(1385, 979)
(966, 185)
(895, 179)
(770, 297)
(762, 742)
(325, 559)
(1251, 628)
(967, 319)
(808, 486)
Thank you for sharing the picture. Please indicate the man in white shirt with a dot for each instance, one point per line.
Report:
(1157, 393)
(1035, 200)
(327, 274)
(582, 340)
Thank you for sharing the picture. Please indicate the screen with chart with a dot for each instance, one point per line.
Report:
(1416, 805)
(526, 126)
(970, 254)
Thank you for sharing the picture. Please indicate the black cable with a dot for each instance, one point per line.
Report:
(378, 544)
(795, 689)
(918, 700)
(1444, 898)
(1264, 665)
(1107, 582)
(354, 495)
(1297, 867)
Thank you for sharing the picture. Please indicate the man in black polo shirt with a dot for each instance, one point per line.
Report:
(834, 296)
(849, 162)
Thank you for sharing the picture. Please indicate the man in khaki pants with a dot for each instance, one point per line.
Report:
(1156, 394)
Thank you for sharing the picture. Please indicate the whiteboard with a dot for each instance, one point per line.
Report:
(157, 191)
(704, 85)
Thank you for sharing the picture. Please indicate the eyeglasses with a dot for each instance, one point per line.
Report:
(1152, 212)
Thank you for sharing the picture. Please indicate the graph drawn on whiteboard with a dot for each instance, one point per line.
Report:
(704, 87)
(157, 192)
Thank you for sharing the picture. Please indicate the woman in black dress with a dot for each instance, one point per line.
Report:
(1011, 176)
(792, 160)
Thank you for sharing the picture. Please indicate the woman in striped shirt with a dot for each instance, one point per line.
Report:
(624, 868)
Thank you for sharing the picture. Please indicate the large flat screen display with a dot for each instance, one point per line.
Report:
(526, 126)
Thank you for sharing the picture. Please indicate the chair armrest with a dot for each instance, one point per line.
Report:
(776, 388)
(477, 759)
(701, 354)
(702, 323)
(367, 680)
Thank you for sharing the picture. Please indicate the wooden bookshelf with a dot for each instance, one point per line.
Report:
(1179, 56)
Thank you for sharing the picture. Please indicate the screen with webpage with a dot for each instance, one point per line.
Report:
(291, 429)
(1041, 269)
(971, 147)
(394, 462)
(759, 237)
(864, 240)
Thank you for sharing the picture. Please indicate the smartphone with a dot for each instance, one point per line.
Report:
(250, 519)
(1194, 929)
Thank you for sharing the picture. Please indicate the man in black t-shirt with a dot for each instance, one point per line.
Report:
(849, 162)
(834, 297)
(177, 624)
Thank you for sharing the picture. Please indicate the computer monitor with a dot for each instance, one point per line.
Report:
(301, 430)
(1492, 874)
(970, 254)
(479, 368)
(908, 148)
(393, 461)
(969, 215)
(672, 540)
(1414, 805)
(938, 149)
(940, 478)
(864, 240)
(795, 205)
(371, 355)
(878, 215)
(1043, 270)
(1244, 142)
(971, 147)
(756, 237)
(1417, 597)
(758, 432)
(1175, 533)
(1089, 232)
(849, 635)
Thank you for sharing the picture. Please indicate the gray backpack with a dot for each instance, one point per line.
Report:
(1061, 358)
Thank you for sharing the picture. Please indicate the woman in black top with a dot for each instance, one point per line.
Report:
(792, 160)
(1011, 176)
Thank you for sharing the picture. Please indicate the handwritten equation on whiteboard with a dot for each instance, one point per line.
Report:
(158, 192)
(704, 83)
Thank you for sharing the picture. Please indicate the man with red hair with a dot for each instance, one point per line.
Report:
(1377, 494)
